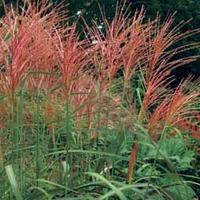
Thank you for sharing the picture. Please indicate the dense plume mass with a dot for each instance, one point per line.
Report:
(40, 52)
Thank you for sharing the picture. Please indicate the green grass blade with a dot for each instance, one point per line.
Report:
(42, 191)
(13, 182)
(104, 180)
(124, 188)
(90, 152)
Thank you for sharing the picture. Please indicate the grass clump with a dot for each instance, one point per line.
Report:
(95, 118)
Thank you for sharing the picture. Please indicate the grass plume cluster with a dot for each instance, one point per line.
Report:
(73, 107)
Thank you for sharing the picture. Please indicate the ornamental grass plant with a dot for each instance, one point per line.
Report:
(92, 115)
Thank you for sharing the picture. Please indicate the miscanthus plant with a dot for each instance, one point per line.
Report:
(95, 117)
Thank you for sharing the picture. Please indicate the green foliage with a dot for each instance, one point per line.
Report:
(174, 149)
(157, 172)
